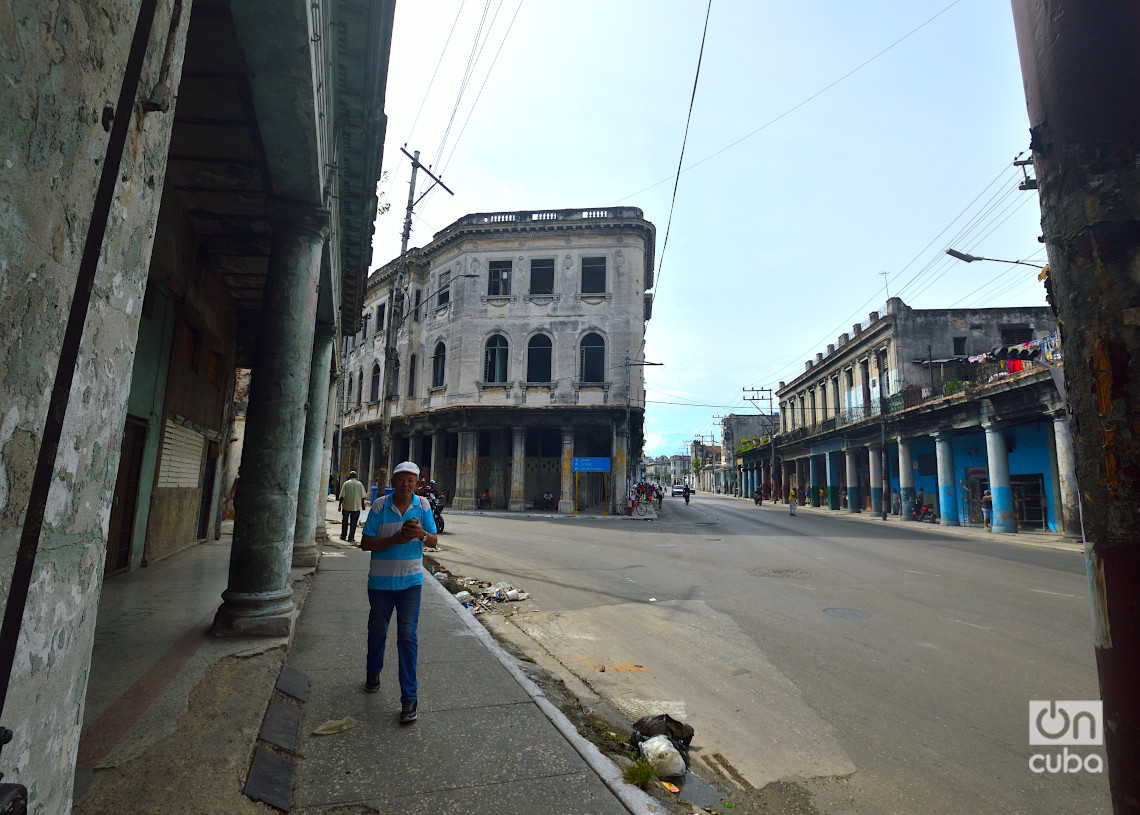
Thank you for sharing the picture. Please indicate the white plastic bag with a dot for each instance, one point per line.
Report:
(663, 757)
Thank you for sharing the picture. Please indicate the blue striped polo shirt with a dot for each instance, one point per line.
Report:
(397, 567)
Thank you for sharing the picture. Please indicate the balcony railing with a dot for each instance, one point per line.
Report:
(527, 216)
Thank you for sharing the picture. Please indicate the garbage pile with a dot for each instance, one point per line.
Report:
(479, 595)
(664, 742)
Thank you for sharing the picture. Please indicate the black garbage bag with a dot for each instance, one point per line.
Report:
(660, 725)
(678, 733)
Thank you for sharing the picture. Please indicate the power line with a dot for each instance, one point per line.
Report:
(775, 374)
(795, 107)
(471, 59)
(684, 141)
(412, 130)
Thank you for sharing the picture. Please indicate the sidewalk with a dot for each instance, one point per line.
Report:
(174, 717)
(1047, 540)
(486, 740)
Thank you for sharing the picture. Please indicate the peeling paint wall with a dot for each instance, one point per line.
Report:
(61, 66)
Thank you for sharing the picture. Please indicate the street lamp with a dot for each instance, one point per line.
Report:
(954, 253)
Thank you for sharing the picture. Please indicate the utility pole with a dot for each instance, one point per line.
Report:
(1081, 72)
(395, 312)
(769, 395)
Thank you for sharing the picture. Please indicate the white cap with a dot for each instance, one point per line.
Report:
(407, 467)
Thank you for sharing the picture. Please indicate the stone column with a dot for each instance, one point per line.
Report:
(518, 470)
(854, 499)
(497, 487)
(311, 492)
(815, 479)
(947, 485)
(326, 460)
(438, 456)
(416, 449)
(789, 480)
(364, 453)
(875, 459)
(906, 479)
(259, 598)
(621, 480)
(381, 465)
(566, 500)
(1067, 477)
(1001, 491)
(465, 470)
(833, 481)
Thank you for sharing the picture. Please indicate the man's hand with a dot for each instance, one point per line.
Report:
(411, 530)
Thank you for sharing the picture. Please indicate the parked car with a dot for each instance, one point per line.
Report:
(678, 489)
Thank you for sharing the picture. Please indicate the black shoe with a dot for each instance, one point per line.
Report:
(372, 683)
(408, 711)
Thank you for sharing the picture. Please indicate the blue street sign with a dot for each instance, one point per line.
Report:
(590, 465)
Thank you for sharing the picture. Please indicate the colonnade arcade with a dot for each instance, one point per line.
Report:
(1027, 467)
(505, 459)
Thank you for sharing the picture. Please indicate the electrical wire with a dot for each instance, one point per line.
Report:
(684, 141)
(774, 375)
(455, 144)
(794, 108)
(471, 59)
(412, 130)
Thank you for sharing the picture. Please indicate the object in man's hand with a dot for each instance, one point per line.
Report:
(411, 522)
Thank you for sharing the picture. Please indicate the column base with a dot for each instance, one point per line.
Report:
(256, 614)
(517, 505)
(566, 506)
(306, 556)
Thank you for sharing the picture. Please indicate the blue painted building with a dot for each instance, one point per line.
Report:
(954, 422)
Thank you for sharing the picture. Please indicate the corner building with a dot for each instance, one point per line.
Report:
(512, 351)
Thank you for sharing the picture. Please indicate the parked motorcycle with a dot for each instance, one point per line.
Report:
(436, 511)
(923, 513)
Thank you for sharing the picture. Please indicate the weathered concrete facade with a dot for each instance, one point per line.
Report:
(512, 356)
(193, 123)
(950, 428)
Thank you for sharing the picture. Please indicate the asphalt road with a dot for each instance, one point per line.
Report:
(883, 669)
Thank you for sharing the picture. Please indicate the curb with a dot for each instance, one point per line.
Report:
(633, 799)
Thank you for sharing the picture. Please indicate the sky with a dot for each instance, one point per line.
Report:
(829, 142)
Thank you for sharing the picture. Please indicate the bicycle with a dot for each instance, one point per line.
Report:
(639, 508)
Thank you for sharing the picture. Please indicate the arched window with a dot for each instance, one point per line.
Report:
(348, 391)
(359, 388)
(412, 376)
(495, 360)
(538, 352)
(593, 359)
(438, 365)
(375, 383)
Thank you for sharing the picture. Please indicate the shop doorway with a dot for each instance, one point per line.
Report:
(125, 501)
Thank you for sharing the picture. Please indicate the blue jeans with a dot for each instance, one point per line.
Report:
(406, 603)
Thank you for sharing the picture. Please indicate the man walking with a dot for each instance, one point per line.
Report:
(351, 498)
(395, 532)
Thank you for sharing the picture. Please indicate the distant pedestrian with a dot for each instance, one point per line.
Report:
(987, 509)
(350, 504)
(792, 501)
(395, 532)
